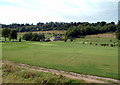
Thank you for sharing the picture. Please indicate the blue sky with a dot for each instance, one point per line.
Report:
(34, 11)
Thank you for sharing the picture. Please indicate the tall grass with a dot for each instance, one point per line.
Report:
(15, 74)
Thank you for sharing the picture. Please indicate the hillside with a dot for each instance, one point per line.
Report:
(106, 35)
(47, 32)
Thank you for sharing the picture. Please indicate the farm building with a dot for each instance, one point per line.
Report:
(55, 38)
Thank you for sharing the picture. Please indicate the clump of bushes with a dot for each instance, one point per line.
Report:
(33, 37)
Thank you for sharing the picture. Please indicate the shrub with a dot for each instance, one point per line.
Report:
(33, 37)
(27, 36)
(118, 34)
(41, 37)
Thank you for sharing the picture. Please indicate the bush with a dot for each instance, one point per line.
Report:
(41, 37)
(118, 34)
(27, 36)
(33, 37)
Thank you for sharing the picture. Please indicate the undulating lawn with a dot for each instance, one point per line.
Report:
(69, 56)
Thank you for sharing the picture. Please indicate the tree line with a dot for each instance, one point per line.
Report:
(99, 26)
(74, 29)
(83, 30)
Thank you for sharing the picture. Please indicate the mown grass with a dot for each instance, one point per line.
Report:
(15, 74)
(70, 56)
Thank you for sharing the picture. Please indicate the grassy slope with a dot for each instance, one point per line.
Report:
(70, 56)
(14, 74)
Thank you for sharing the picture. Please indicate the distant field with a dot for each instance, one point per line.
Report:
(48, 34)
(107, 35)
(52, 31)
(70, 56)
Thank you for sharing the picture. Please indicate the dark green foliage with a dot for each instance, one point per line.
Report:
(5, 32)
(13, 34)
(74, 29)
(102, 23)
(9, 37)
(41, 37)
(27, 36)
(99, 27)
(9, 33)
(118, 33)
(33, 37)
(89, 29)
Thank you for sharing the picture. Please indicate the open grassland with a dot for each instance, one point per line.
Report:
(70, 56)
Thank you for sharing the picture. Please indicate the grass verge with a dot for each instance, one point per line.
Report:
(14, 74)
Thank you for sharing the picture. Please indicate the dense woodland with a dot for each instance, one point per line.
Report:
(74, 29)
(96, 27)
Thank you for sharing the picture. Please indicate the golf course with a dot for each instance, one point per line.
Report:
(68, 56)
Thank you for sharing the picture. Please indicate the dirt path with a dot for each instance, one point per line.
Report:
(71, 75)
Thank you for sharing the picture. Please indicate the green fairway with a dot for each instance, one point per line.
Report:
(70, 56)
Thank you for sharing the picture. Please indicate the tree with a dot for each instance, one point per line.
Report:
(5, 32)
(35, 37)
(102, 23)
(118, 33)
(72, 33)
(65, 38)
(13, 34)
(41, 37)
(88, 30)
(27, 36)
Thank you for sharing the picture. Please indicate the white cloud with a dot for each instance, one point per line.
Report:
(21, 15)
(33, 11)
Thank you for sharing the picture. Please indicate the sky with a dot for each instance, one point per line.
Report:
(34, 11)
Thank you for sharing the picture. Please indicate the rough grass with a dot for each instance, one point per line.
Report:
(69, 56)
(48, 34)
(15, 74)
(51, 31)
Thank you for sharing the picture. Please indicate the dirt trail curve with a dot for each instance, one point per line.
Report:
(71, 75)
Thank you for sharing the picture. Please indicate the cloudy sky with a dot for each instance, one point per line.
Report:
(34, 11)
